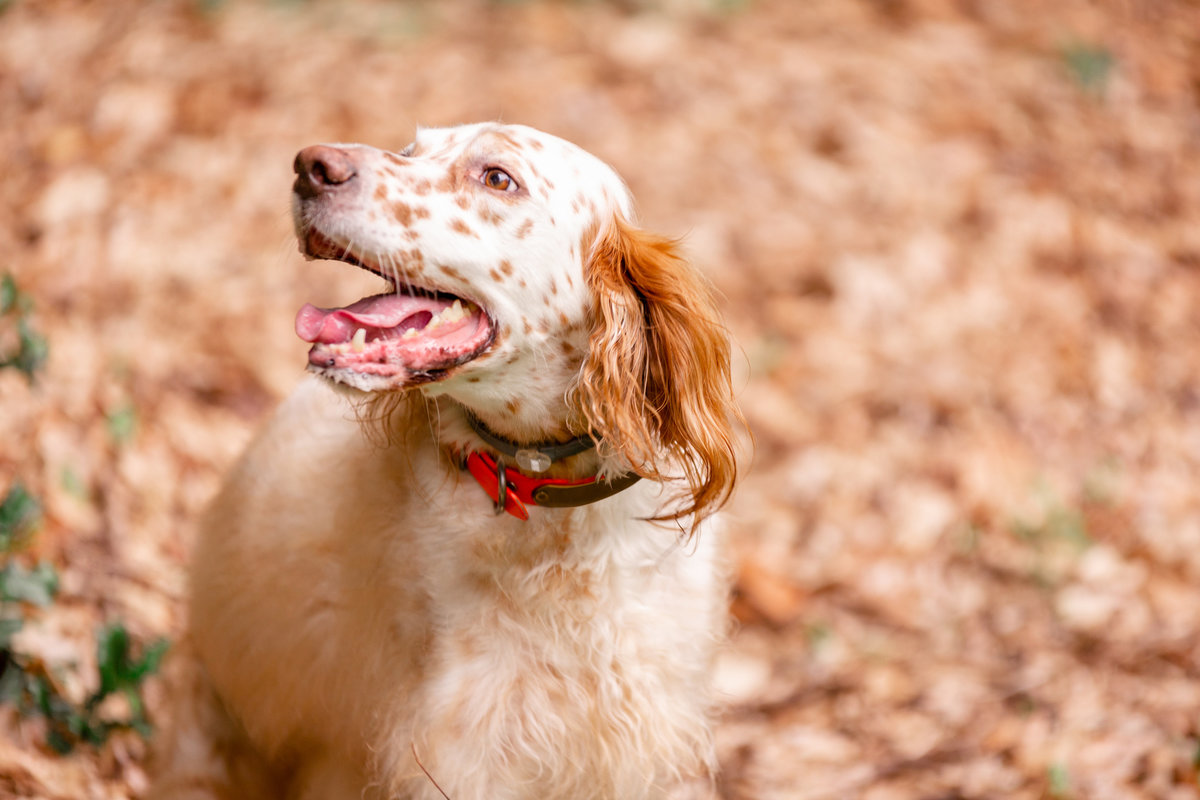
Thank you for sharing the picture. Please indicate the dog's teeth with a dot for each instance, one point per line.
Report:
(448, 315)
(359, 342)
(410, 333)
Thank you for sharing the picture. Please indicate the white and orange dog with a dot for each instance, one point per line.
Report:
(449, 581)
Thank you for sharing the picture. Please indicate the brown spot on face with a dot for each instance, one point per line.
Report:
(549, 183)
(381, 192)
(459, 226)
(521, 283)
(473, 379)
(422, 187)
(567, 347)
(506, 267)
(562, 317)
(490, 217)
(451, 272)
(463, 202)
(403, 213)
(527, 326)
(496, 276)
(505, 139)
(421, 212)
(535, 144)
(525, 228)
(513, 406)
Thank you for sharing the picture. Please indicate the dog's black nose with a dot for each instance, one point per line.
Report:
(321, 168)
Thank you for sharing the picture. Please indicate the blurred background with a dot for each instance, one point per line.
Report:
(958, 246)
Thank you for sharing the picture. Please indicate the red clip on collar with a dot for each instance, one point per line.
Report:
(519, 488)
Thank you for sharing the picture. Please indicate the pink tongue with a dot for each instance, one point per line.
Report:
(332, 325)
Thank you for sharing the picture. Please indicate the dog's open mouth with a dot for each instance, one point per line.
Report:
(388, 340)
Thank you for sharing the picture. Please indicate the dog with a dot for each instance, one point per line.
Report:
(476, 556)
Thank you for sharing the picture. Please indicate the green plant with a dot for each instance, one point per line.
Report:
(1090, 65)
(29, 352)
(122, 423)
(1059, 779)
(1055, 524)
(20, 514)
(34, 687)
(1055, 533)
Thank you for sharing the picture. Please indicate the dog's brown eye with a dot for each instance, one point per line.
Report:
(498, 179)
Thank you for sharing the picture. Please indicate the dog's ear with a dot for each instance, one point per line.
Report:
(655, 382)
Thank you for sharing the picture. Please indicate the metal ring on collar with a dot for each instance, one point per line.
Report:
(501, 487)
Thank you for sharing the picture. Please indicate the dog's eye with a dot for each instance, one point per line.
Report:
(498, 179)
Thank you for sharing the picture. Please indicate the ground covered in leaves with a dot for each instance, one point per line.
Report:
(959, 247)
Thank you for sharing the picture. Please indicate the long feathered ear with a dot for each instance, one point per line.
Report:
(655, 382)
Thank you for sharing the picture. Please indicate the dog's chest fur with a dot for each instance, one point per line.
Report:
(505, 646)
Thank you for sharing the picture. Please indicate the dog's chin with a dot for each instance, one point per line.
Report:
(354, 382)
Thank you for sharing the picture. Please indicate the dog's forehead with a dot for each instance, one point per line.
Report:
(530, 146)
(516, 138)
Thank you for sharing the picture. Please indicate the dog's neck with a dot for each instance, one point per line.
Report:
(461, 430)
(531, 456)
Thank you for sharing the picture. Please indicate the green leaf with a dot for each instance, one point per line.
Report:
(12, 685)
(151, 660)
(1059, 778)
(120, 669)
(72, 484)
(37, 586)
(20, 514)
(9, 626)
(8, 290)
(32, 349)
(1090, 65)
(112, 657)
(122, 423)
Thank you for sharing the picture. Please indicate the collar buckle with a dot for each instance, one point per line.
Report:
(533, 460)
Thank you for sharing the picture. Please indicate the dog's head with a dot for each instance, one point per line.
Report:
(519, 287)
